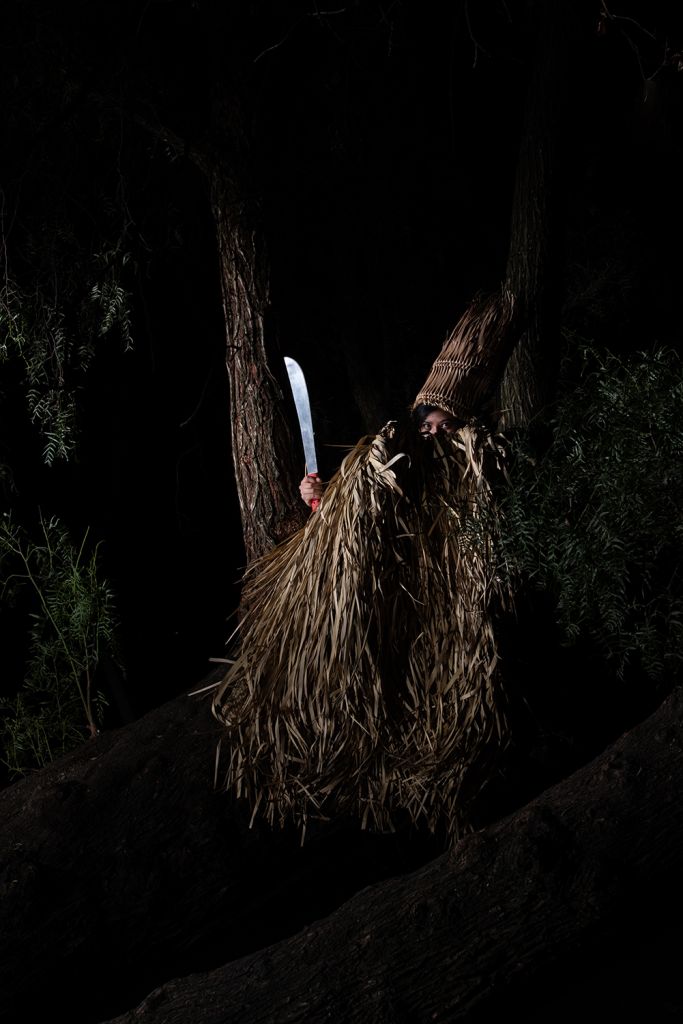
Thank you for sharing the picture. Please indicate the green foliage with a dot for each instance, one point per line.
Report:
(53, 332)
(71, 626)
(597, 519)
(66, 229)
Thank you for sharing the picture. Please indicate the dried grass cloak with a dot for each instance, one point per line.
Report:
(367, 678)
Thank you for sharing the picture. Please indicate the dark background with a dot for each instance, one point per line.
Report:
(383, 143)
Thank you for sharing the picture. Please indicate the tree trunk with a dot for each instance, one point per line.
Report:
(575, 899)
(264, 447)
(534, 267)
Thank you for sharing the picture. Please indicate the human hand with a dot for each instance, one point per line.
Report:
(311, 489)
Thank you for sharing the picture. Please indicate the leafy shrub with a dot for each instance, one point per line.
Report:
(53, 334)
(596, 520)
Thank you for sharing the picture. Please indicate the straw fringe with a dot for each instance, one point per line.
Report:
(367, 680)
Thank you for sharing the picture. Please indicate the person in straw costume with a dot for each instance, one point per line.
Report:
(367, 678)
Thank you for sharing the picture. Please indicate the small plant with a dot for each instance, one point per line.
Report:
(72, 625)
(597, 519)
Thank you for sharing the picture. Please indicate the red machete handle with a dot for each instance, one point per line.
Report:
(314, 501)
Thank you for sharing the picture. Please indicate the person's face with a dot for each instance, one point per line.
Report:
(439, 422)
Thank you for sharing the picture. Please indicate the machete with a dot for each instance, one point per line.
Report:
(303, 411)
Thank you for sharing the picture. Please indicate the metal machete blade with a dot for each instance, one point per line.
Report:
(303, 411)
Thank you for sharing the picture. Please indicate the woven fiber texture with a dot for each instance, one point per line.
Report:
(469, 366)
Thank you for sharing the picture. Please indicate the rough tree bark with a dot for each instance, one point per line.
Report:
(534, 267)
(262, 442)
(121, 867)
(559, 904)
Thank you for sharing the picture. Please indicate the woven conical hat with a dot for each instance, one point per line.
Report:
(470, 364)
